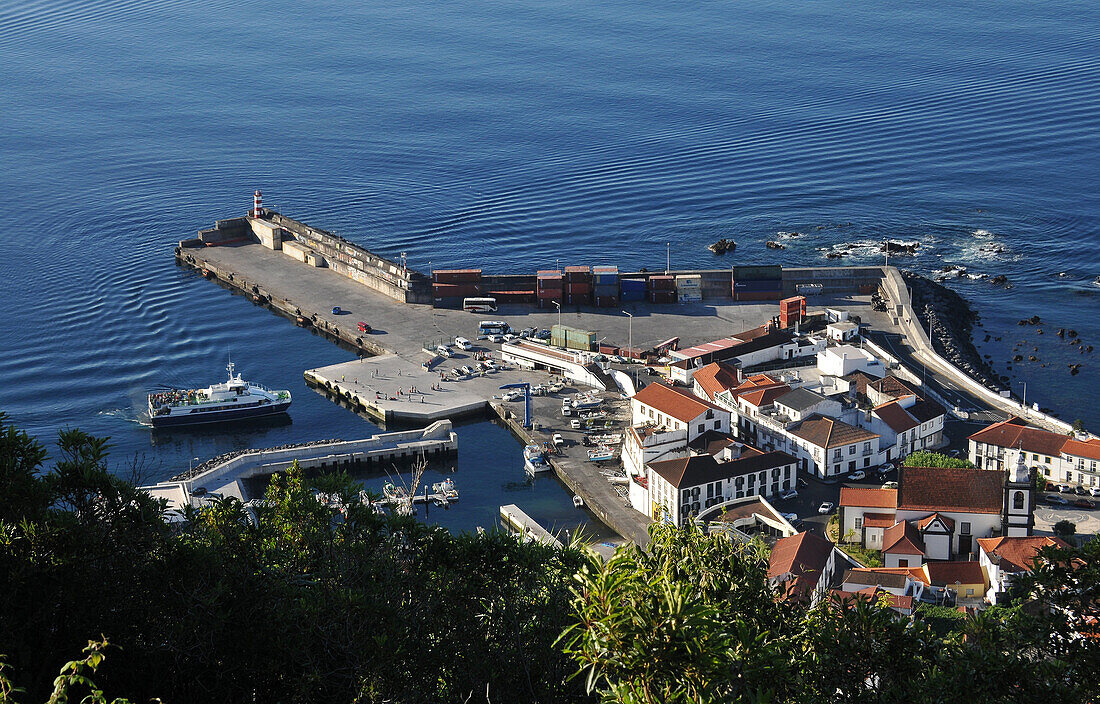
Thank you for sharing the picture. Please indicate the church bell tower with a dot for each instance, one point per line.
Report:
(1018, 516)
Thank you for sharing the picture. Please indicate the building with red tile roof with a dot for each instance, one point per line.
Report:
(1004, 559)
(988, 446)
(715, 378)
(902, 546)
(902, 605)
(803, 565)
(678, 409)
(967, 579)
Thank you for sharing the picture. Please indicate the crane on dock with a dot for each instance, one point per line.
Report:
(526, 400)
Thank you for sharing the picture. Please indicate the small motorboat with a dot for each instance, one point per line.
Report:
(601, 454)
(534, 459)
(394, 493)
(446, 489)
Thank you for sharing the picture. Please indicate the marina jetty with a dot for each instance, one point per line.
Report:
(244, 475)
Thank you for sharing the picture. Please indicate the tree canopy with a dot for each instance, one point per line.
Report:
(293, 600)
(935, 459)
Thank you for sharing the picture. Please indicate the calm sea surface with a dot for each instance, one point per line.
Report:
(507, 135)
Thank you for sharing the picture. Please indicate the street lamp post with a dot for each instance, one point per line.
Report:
(558, 306)
(191, 465)
(668, 257)
(630, 346)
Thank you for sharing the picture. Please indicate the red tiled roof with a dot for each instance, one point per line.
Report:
(681, 405)
(1013, 433)
(895, 416)
(878, 576)
(716, 377)
(893, 386)
(828, 433)
(798, 554)
(900, 603)
(1089, 448)
(927, 521)
(950, 489)
(1015, 554)
(761, 398)
(945, 574)
(902, 538)
(868, 497)
(878, 520)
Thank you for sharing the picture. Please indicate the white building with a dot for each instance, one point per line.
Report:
(845, 359)
(908, 424)
(678, 490)
(829, 448)
(1004, 559)
(649, 442)
(805, 566)
(675, 409)
(1059, 458)
(842, 331)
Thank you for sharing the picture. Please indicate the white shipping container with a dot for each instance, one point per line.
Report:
(689, 281)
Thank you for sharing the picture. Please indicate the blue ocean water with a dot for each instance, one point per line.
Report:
(509, 135)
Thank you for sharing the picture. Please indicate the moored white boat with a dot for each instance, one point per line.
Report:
(233, 399)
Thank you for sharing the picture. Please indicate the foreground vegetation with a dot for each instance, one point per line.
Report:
(308, 605)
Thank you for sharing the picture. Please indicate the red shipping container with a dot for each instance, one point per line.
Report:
(662, 296)
(456, 276)
(607, 301)
(609, 349)
(575, 289)
(556, 295)
(447, 290)
(757, 296)
(662, 283)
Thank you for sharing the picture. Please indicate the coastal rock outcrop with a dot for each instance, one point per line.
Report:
(722, 246)
(774, 245)
(895, 247)
(951, 320)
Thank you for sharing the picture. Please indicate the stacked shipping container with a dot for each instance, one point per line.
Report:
(689, 288)
(632, 289)
(605, 292)
(662, 289)
(549, 288)
(578, 285)
(450, 286)
(757, 283)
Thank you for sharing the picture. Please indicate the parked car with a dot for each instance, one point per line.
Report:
(364, 327)
(559, 441)
(444, 351)
(1065, 488)
(791, 518)
(575, 424)
(463, 343)
(1094, 491)
(1056, 500)
(858, 475)
(890, 485)
(954, 453)
(1084, 503)
(825, 508)
(336, 310)
(885, 468)
(543, 335)
(496, 338)
(508, 337)
(1080, 491)
(789, 494)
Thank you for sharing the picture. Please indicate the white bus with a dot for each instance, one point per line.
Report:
(492, 327)
(480, 305)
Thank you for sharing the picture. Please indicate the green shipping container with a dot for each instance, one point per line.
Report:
(756, 273)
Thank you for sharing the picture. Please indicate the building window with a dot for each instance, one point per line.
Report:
(866, 447)
(702, 427)
(717, 424)
(1018, 500)
(1047, 460)
(965, 528)
(838, 453)
(859, 523)
(852, 466)
(969, 591)
(903, 562)
(851, 449)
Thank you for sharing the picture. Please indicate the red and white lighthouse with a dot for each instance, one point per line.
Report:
(257, 204)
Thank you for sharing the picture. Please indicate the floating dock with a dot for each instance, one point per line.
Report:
(233, 476)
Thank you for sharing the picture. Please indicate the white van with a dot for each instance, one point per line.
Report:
(463, 343)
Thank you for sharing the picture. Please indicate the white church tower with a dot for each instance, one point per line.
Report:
(1019, 499)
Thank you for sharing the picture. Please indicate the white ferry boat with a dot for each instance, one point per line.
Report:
(234, 399)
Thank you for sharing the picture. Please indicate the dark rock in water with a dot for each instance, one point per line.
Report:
(1022, 322)
(1075, 341)
(1017, 358)
(892, 247)
(774, 245)
(1034, 320)
(1089, 348)
(722, 246)
(643, 270)
(835, 255)
(1039, 331)
(987, 338)
(1032, 358)
(999, 279)
(996, 339)
(1071, 333)
(988, 356)
(1061, 332)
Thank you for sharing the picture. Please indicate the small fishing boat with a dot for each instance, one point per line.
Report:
(608, 438)
(534, 459)
(446, 489)
(601, 454)
(394, 493)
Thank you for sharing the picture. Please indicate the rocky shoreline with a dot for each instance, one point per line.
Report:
(951, 321)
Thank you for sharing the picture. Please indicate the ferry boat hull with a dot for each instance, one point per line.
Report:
(183, 417)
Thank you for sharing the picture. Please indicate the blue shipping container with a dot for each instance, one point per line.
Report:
(633, 296)
(633, 284)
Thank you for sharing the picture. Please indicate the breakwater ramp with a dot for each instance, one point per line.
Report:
(242, 475)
